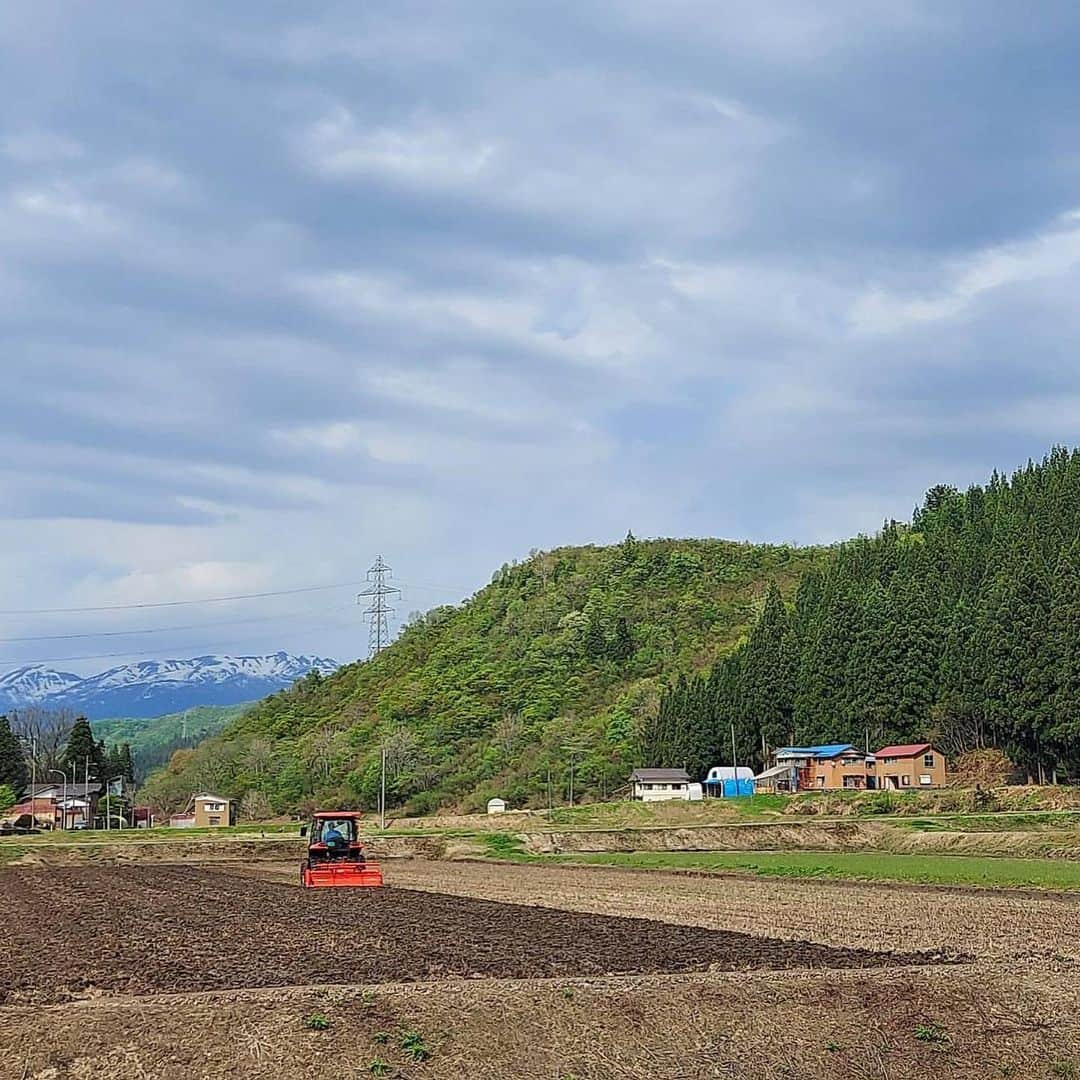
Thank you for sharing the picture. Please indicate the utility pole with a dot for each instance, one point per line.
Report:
(382, 791)
(380, 590)
(570, 751)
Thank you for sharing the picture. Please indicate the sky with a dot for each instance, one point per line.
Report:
(286, 286)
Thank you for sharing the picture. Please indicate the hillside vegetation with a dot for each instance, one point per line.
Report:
(154, 740)
(560, 660)
(961, 627)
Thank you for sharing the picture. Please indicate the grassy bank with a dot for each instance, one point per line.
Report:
(855, 866)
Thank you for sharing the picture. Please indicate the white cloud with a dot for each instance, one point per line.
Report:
(425, 154)
(1053, 253)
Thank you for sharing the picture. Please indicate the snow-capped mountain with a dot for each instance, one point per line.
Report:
(154, 687)
(33, 683)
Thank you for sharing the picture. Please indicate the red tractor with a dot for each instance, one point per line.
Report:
(335, 856)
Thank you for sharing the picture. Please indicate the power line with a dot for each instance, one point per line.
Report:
(180, 603)
(162, 629)
(380, 611)
(22, 662)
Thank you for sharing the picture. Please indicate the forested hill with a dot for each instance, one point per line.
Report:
(962, 627)
(560, 658)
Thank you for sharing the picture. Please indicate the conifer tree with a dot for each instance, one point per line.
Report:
(767, 682)
(127, 763)
(13, 768)
(622, 645)
(80, 749)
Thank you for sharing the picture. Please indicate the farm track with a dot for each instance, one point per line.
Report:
(144, 930)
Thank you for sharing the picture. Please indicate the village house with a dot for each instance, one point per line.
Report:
(828, 767)
(72, 805)
(905, 766)
(655, 785)
(211, 811)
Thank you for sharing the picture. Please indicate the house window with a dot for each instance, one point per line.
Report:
(215, 821)
(214, 807)
(905, 780)
(646, 787)
(928, 761)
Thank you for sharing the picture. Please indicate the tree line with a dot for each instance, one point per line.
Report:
(81, 757)
(960, 627)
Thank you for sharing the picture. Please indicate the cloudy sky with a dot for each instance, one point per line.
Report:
(283, 286)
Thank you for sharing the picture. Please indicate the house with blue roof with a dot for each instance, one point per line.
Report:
(826, 767)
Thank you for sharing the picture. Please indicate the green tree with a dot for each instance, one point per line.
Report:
(622, 645)
(127, 763)
(83, 754)
(13, 770)
(767, 683)
(8, 798)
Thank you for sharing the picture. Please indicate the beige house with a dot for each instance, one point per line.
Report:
(211, 811)
(656, 785)
(911, 765)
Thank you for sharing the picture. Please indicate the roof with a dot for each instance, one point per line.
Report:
(776, 770)
(40, 807)
(903, 750)
(826, 750)
(209, 796)
(73, 790)
(729, 772)
(337, 814)
(668, 776)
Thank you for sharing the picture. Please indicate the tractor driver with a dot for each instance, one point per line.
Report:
(332, 836)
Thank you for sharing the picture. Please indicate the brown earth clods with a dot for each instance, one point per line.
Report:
(147, 930)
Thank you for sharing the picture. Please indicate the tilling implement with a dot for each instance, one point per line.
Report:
(335, 857)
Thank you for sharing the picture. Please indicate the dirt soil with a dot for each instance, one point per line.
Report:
(984, 922)
(959, 1023)
(103, 944)
(143, 930)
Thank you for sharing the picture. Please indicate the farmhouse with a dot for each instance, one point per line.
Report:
(210, 811)
(71, 804)
(655, 785)
(909, 765)
(829, 767)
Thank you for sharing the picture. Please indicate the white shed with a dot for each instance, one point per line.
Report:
(496, 806)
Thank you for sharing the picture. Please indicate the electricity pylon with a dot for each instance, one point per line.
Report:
(379, 591)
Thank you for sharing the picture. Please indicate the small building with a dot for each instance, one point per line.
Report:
(779, 780)
(656, 785)
(828, 767)
(906, 766)
(73, 804)
(31, 814)
(729, 781)
(182, 821)
(496, 806)
(212, 811)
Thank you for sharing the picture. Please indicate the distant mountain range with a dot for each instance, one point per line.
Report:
(153, 687)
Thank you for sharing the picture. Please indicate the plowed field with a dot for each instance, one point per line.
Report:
(146, 930)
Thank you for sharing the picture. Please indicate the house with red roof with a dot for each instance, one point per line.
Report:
(907, 766)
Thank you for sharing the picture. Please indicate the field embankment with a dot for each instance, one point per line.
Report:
(1034, 835)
